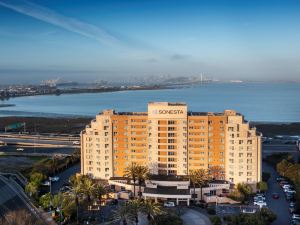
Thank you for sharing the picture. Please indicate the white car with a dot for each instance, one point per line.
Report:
(287, 186)
(169, 204)
(46, 183)
(20, 149)
(249, 211)
(259, 198)
(76, 142)
(260, 203)
(54, 179)
(296, 217)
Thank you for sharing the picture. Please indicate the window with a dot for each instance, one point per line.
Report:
(171, 122)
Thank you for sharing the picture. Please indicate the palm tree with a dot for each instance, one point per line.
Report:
(193, 180)
(76, 191)
(142, 173)
(54, 165)
(216, 172)
(135, 206)
(131, 173)
(200, 177)
(99, 190)
(123, 214)
(88, 187)
(152, 209)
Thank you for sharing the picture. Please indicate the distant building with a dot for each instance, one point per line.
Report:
(171, 141)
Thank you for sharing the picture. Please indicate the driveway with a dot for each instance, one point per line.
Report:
(280, 206)
(192, 217)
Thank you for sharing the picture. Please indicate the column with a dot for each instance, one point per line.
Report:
(155, 199)
(188, 202)
(177, 201)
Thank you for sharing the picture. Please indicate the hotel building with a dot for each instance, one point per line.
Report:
(171, 140)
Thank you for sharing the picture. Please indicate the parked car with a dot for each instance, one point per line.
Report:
(259, 198)
(260, 203)
(275, 196)
(46, 183)
(289, 196)
(296, 217)
(290, 191)
(76, 142)
(54, 179)
(287, 186)
(20, 149)
(169, 204)
(249, 210)
(292, 207)
(279, 179)
(281, 183)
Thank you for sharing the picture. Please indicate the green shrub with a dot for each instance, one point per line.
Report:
(211, 211)
(215, 220)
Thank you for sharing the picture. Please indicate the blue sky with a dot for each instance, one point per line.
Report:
(88, 40)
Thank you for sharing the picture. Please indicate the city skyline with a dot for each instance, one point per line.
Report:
(249, 40)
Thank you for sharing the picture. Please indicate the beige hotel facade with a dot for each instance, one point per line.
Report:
(171, 140)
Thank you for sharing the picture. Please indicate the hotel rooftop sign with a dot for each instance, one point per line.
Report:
(167, 111)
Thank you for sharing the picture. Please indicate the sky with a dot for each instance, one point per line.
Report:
(90, 40)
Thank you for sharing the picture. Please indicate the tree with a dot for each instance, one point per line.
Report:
(20, 217)
(245, 189)
(37, 178)
(216, 172)
(283, 167)
(135, 206)
(99, 190)
(87, 187)
(193, 180)
(76, 191)
(123, 214)
(32, 189)
(198, 177)
(131, 173)
(54, 165)
(142, 173)
(152, 209)
(45, 200)
(262, 186)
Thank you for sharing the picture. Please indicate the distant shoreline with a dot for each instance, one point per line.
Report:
(75, 124)
(90, 90)
(7, 105)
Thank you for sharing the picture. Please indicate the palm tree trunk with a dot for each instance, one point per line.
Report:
(77, 209)
(140, 190)
(201, 193)
(134, 188)
(194, 193)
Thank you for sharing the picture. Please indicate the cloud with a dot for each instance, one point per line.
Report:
(178, 57)
(54, 18)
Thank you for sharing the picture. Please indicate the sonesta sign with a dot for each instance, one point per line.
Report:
(168, 111)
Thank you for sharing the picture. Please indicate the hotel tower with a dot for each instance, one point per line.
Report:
(171, 140)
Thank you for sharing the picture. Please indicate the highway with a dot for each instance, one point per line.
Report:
(49, 150)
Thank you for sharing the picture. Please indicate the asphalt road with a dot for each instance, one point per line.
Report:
(64, 177)
(35, 141)
(37, 150)
(279, 206)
